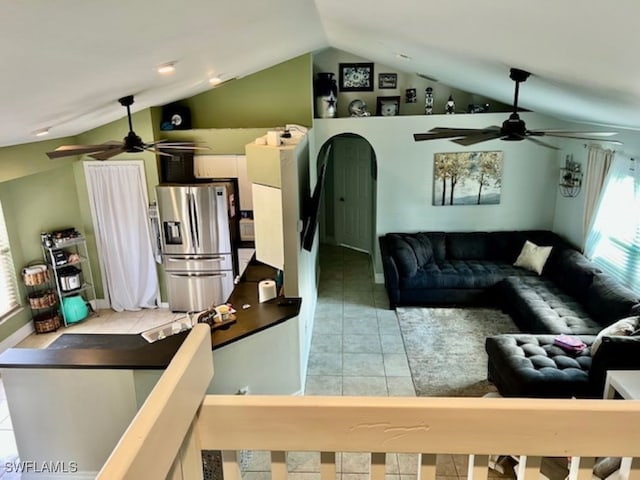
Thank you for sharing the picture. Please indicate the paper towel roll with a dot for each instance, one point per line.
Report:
(266, 290)
(273, 138)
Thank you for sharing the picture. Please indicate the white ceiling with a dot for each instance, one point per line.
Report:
(66, 62)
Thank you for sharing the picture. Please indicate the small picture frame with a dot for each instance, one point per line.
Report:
(387, 80)
(356, 77)
(388, 106)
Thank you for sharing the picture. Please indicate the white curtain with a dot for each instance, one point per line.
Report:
(598, 163)
(613, 240)
(123, 236)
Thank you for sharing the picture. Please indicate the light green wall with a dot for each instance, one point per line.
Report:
(41, 202)
(272, 97)
(221, 141)
(22, 160)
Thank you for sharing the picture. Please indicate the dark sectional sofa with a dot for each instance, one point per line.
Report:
(571, 296)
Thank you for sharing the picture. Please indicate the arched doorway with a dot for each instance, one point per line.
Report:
(348, 216)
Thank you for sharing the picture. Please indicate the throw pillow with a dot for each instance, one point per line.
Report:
(622, 328)
(533, 257)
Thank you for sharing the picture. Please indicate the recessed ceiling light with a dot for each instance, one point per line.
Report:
(42, 132)
(167, 68)
(215, 81)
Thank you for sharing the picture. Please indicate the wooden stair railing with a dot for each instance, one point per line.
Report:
(178, 421)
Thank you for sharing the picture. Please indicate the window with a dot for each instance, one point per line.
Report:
(614, 240)
(8, 287)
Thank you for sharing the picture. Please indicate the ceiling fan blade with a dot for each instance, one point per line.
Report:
(573, 132)
(442, 132)
(578, 137)
(541, 143)
(157, 151)
(107, 154)
(463, 131)
(481, 137)
(180, 147)
(69, 150)
(418, 137)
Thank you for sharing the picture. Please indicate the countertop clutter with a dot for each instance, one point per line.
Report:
(134, 352)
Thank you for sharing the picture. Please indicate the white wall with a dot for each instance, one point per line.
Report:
(405, 174)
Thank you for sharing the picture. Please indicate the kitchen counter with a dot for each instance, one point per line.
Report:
(109, 351)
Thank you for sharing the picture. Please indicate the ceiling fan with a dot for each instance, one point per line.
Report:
(131, 143)
(512, 129)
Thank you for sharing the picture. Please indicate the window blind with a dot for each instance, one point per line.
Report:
(618, 248)
(8, 286)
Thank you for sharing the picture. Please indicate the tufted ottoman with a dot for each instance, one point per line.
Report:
(523, 365)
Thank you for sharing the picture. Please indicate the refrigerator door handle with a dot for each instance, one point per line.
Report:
(188, 275)
(196, 221)
(178, 258)
(189, 200)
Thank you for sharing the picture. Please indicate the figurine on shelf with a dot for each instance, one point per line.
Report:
(428, 101)
(450, 108)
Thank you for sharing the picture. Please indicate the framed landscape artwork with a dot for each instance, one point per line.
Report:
(467, 178)
(356, 77)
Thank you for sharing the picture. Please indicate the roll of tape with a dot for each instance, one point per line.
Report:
(266, 290)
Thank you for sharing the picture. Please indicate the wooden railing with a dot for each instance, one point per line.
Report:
(178, 421)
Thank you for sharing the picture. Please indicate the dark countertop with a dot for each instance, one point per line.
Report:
(131, 351)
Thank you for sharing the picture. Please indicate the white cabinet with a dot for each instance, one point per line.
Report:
(267, 225)
(275, 175)
(226, 166)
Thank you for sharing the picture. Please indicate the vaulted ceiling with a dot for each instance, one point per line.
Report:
(65, 62)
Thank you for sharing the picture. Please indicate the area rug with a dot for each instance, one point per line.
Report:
(445, 348)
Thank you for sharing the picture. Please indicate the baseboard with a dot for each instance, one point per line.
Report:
(101, 304)
(379, 277)
(17, 336)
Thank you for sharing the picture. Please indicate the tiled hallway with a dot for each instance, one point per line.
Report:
(356, 348)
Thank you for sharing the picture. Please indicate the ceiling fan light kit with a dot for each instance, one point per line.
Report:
(132, 143)
(513, 129)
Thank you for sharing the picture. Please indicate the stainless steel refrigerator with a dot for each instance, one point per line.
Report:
(197, 230)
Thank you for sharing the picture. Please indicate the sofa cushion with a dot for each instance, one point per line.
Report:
(504, 246)
(533, 257)
(573, 273)
(467, 246)
(403, 255)
(621, 328)
(438, 244)
(607, 300)
(537, 305)
(421, 248)
(460, 274)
